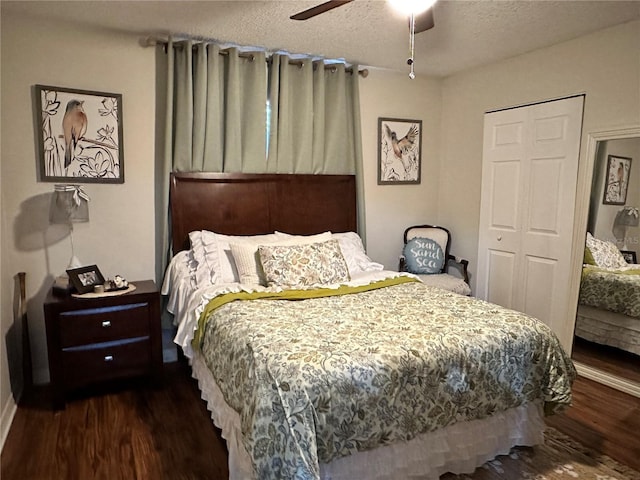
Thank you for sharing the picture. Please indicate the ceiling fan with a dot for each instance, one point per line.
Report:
(423, 21)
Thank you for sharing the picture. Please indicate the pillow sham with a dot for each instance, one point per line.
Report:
(291, 239)
(204, 273)
(605, 254)
(218, 253)
(423, 256)
(354, 253)
(213, 258)
(303, 265)
(182, 267)
(247, 261)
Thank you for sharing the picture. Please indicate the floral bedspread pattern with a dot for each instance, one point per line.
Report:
(321, 378)
(616, 291)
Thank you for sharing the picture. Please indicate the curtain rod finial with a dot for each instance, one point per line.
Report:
(149, 41)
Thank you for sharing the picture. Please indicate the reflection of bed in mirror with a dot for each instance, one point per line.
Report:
(608, 328)
(610, 366)
(609, 307)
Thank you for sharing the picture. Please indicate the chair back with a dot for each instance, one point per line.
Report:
(440, 235)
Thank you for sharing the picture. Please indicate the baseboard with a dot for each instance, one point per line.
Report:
(607, 379)
(8, 413)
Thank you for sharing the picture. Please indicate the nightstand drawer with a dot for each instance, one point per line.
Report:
(82, 327)
(91, 340)
(106, 361)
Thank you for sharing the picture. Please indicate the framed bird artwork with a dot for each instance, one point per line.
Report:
(79, 136)
(399, 151)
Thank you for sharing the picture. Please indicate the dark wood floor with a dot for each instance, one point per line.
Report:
(140, 431)
(135, 431)
(608, 359)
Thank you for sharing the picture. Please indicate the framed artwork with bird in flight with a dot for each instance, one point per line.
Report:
(399, 151)
(80, 135)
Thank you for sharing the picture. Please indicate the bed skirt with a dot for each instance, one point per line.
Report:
(458, 448)
(608, 328)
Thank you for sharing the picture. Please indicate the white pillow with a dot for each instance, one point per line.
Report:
(181, 267)
(218, 253)
(204, 274)
(212, 255)
(605, 254)
(247, 260)
(354, 253)
(290, 239)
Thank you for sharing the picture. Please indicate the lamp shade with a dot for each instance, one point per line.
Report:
(628, 217)
(69, 204)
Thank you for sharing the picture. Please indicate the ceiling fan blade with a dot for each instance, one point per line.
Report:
(318, 9)
(424, 21)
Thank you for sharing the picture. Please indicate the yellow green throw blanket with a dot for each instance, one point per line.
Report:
(225, 298)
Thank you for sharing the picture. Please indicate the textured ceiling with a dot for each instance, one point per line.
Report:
(466, 34)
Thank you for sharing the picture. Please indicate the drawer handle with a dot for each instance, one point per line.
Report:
(106, 323)
(108, 358)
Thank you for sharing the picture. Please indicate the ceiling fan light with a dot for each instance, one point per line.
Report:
(407, 7)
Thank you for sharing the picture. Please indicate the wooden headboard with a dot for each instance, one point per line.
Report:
(252, 204)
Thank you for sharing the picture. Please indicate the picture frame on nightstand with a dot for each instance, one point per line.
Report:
(85, 278)
(629, 256)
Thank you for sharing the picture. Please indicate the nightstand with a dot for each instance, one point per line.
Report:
(95, 340)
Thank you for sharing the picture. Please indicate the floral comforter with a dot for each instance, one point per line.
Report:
(617, 291)
(321, 378)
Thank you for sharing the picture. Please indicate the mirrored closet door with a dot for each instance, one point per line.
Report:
(606, 343)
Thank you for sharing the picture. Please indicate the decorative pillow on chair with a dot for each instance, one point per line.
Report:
(299, 266)
(423, 256)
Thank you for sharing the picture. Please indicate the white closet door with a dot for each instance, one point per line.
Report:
(529, 175)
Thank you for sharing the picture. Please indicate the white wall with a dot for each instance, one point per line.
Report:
(392, 208)
(120, 236)
(604, 65)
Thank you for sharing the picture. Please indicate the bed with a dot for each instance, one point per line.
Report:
(609, 307)
(320, 364)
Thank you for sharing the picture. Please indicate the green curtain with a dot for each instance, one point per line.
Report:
(218, 110)
(311, 126)
(216, 118)
(314, 122)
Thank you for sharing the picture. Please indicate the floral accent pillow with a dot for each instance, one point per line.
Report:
(301, 266)
(605, 254)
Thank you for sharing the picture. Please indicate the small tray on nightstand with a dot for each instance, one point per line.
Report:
(109, 293)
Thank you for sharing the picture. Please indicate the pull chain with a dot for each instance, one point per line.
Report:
(412, 35)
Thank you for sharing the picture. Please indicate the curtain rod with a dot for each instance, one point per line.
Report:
(154, 41)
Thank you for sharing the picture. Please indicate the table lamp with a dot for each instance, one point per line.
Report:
(627, 217)
(69, 205)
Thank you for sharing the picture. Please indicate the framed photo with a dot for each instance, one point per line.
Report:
(629, 256)
(616, 180)
(79, 135)
(85, 278)
(399, 151)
